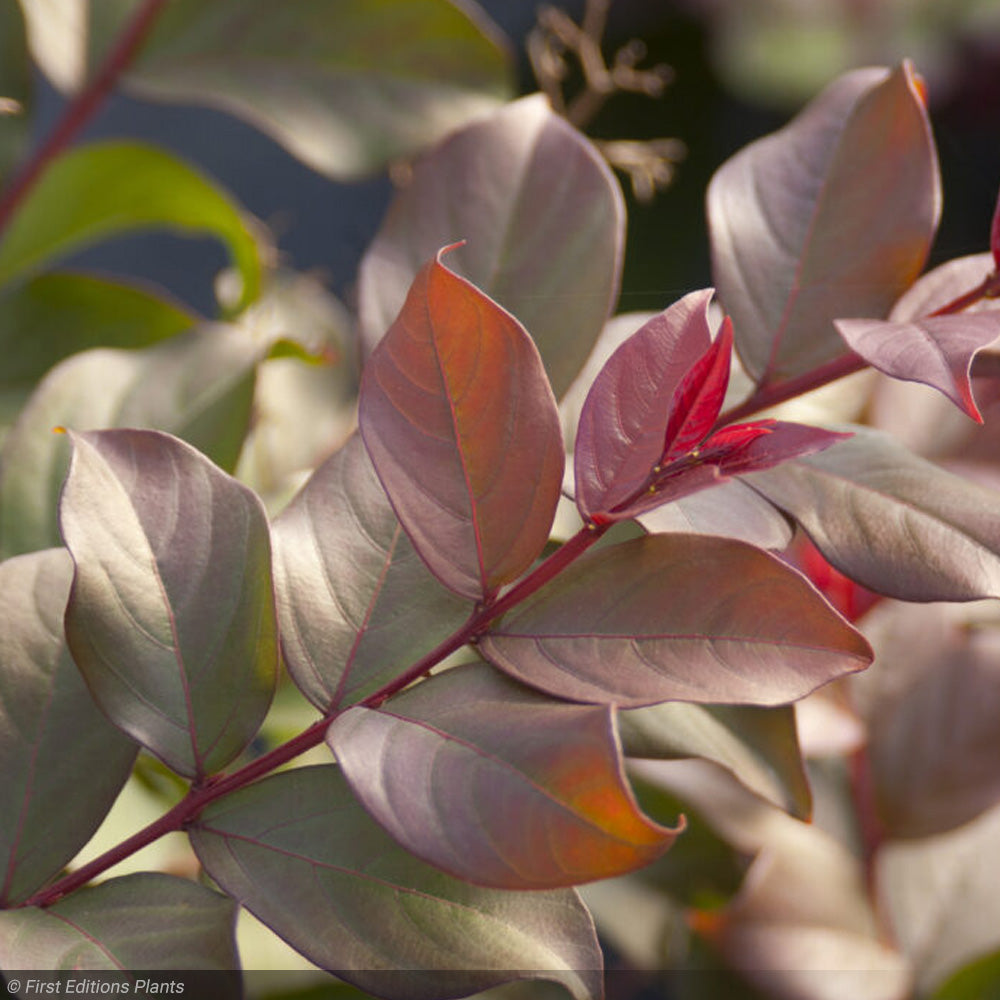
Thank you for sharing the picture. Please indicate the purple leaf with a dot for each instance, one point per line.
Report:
(891, 521)
(512, 184)
(944, 284)
(171, 614)
(62, 762)
(496, 784)
(299, 852)
(463, 431)
(676, 617)
(624, 420)
(355, 603)
(832, 215)
(780, 442)
(937, 351)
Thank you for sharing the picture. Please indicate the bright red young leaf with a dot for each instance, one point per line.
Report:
(635, 453)
(462, 427)
(497, 784)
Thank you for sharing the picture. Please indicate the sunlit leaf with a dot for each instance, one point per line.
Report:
(832, 216)
(893, 522)
(931, 704)
(138, 922)
(944, 284)
(110, 188)
(676, 618)
(356, 604)
(496, 784)
(937, 351)
(15, 86)
(171, 615)
(759, 746)
(63, 763)
(299, 852)
(512, 185)
(198, 386)
(462, 428)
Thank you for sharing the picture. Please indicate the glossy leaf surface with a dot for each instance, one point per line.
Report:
(198, 386)
(143, 922)
(299, 852)
(171, 615)
(511, 184)
(937, 351)
(463, 431)
(893, 522)
(496, 784)
(106, 189)
(931, 704)
(356, 604)
(832, 216)
(63, 763)
(345, 87)
(676, 618)
(759, 746)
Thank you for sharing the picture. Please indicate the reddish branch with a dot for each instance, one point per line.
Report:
(83, 107)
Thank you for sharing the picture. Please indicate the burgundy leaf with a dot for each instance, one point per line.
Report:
(623, 424)
(676, 618)
(762, 445)
(944, 284)
(462, 428)
(937, 350)
(497, 784)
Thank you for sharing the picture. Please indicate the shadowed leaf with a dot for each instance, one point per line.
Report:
(356, 604)
(138, 922)
(15, 87)
(496, 784)
(171, 615)
(513, 184)
(676, 618)
(893, 522)
(831, 216)
(299, 852)
(63, 763)
(463, 431)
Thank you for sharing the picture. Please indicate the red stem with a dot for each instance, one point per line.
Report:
(83, 107)
(187, 810)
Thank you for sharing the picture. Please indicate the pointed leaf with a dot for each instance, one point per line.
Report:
(759, 746)
(496, 784)
(624, 419)
(463, 431)
(676, 618)
(299, 852)
(198, 386)
(893, 522)
(146, 921)
(63, 763)
(513, 184)
(101, 190)
(937, 351)
(171, 615)
(831, 216)
(355, 603)
(749, 447)
(931, 706)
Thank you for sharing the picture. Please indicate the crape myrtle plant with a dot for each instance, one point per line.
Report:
(565, 614)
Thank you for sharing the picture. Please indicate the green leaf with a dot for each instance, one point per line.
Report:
(832, 216)
(355, 602)
(171, 615)
(530, 790)
(461, 425)
(297, 851)
(891, 521)
(106, 189)
(198, 386)
(759, 746)
(345, 87)
(511, 184)
(138, 922)
(63, 763)
(676, 618)
(15, 87)
(979, 980)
